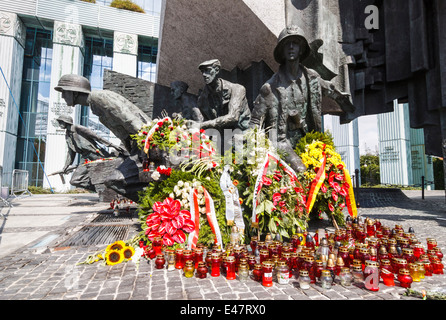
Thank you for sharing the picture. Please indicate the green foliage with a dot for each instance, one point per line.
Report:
(370, 175)
(160, 190)
(126, 5)
(90, 1)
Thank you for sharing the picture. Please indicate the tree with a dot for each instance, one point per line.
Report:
(369, 165)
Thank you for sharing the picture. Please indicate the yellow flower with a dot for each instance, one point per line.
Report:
(118, 245)
(128, 252)
(114, 257)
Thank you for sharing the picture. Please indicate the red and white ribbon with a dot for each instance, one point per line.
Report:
(195, 216)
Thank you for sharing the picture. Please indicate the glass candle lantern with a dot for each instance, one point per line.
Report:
(243, 272)
(253, 243)
(300, 259)
(343, 253)
(189, 269)
(160, 261)
(371, 228)
(179, 264)
(414, 272)
(318, 267)
(438, 253)
(385, 264)
(309, 242)
(264, 255)
(149, 252)
(358, 275)
(282, 272)
(294, 260)
(208, 259)
(251, 261)
(326, 279)
(371, 275)
(170, 260)
(427, 266)
(437, 266)
(230, 268)
(188, 255)
(404, 278)
(421, 269)
(202, 270)
(257, 273)
(431, 243)
(309, 266)
(304, 280)
(216, 262)
(408, 255)
(339, 265)
(345, 277)
(234, 236)
(267, 274)
(388, 277)
(157, 245)
(198, 256)
(418, 250)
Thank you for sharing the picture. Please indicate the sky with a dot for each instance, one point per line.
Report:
(368, 133)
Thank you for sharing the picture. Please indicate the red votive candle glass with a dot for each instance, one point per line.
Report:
(216, 262)
(230, 268)
(179, 264)
(267, 276)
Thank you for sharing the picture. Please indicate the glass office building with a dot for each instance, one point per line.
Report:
(34, 56)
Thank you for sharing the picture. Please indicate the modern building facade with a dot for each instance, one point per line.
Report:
(42, 40)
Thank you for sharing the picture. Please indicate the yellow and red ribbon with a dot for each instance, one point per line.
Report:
(316, 184)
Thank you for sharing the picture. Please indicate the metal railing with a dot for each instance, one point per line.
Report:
(3, 200)
(20, 182)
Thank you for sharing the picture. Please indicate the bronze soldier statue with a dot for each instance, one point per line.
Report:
(290, 102)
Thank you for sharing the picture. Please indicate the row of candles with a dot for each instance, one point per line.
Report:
(360, 253)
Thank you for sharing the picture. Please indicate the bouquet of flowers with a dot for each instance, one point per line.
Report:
(273, 199)
(327, 181)
(169, 222)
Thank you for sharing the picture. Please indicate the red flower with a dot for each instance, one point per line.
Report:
(266, 181)
(276, 198)
(334, 195)
(169, 222)
(323, 188)
(160, 123)
(330, 206)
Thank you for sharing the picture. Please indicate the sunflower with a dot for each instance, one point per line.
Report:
(128, 252)
(118, 245)
(114, 257)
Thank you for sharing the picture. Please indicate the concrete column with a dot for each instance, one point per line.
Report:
(68, 58)
(125, 53)
(12, 43)
(421, 163)
(395, 161)
(346, 140)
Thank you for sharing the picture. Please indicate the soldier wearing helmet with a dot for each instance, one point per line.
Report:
(86, 142)
(114, 111)
(290, 101)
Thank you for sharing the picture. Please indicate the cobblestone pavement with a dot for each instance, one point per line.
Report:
(53, 274)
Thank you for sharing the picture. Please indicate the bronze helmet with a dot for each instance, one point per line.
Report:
(65, 118)
(73, 82)
(291, 32)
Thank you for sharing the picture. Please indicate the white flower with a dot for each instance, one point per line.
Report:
(180, 184)
(187, 185)
(185, 195)
(155, 175)
(171, 195)
(202, 202)
(137, 255)
(196, 184)
(202, 210)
